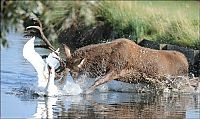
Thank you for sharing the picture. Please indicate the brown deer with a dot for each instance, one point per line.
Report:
(125, 61)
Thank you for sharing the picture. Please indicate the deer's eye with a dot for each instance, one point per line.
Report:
(74, 75)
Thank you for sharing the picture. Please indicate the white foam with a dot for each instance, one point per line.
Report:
(71, 88)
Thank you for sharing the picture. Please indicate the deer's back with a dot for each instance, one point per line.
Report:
(101, 58)
(134, 60)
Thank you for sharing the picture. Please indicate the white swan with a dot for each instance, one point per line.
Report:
(45, 70)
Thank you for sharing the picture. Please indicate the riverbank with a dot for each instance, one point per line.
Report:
(80, 23)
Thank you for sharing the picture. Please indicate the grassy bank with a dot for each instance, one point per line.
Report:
(174, 22)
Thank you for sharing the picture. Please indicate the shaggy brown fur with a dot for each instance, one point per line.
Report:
(125, 61)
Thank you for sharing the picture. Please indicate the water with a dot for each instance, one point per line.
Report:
(17, 85)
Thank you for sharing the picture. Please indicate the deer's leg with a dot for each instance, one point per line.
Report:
(108, 77)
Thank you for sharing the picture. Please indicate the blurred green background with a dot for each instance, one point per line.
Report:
(80, 23)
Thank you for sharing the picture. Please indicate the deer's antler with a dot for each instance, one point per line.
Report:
(43, 37)
(48, 44)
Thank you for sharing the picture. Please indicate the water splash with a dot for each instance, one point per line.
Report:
(179, 84)
(69, 88)
(182, 84)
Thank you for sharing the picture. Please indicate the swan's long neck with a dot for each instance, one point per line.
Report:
(51, 78)
(51, 89)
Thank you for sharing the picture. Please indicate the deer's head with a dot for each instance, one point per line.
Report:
(73, 64)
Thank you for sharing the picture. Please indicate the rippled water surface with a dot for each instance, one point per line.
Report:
(18, 79)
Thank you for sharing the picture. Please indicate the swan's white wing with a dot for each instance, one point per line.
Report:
(36, 60)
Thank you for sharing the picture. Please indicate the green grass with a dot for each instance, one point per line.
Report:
(174, 22)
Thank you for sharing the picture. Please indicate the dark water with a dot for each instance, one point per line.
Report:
(18, 79)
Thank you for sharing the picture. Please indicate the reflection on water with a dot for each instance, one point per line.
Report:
(119, 105)
(17, 86)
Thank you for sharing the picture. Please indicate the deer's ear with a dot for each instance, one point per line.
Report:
(67, 51)
(79, 62)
